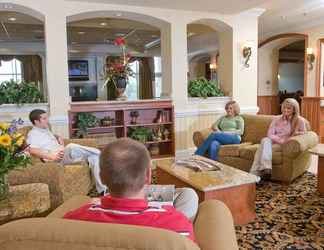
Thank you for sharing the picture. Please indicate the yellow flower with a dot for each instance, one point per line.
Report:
(5, 140)
(20, 141)
(4, 126)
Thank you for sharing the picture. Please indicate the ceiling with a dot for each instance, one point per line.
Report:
(219, 6)
(280, 16)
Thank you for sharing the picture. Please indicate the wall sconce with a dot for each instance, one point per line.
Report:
(247, 52)
(310, 58)
(212, 66)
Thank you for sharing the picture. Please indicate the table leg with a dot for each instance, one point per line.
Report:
(320, 175)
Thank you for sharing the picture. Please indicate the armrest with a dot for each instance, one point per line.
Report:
(214, 227)
(300, 143)
(89, 142)
(71, 204)
(200, 136)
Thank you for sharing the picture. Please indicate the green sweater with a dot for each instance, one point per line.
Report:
(234, 124)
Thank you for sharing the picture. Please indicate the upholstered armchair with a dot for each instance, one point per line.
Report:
(289, 160)
(64, 182)
(214, 230)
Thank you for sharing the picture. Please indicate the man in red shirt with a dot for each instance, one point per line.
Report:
(125, 169)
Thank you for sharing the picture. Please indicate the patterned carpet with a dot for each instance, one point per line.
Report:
(288, 217)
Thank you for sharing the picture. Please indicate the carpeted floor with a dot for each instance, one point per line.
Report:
(288, 217)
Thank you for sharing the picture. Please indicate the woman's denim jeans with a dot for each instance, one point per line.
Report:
(214, 141)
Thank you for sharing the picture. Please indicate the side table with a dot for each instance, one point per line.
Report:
(319, 150)
(25, 201)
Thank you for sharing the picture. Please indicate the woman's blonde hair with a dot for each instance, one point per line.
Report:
(296, 113)
(235, 105)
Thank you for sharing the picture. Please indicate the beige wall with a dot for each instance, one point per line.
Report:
(173, 24)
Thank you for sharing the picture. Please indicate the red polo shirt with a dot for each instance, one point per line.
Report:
(134, 212)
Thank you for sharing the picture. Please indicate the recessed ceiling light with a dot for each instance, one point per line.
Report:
(119, 14)
(81, 32)
(12, 19)
(191, 34)
(103, 24)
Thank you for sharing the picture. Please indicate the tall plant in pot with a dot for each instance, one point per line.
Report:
(118, 71)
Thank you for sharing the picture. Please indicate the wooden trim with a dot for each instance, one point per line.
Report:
(276, 37)
(305, 67)
(310, 109)
(268, 105)
(318, 66)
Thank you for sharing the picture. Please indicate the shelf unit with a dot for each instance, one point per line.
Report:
(120, 111)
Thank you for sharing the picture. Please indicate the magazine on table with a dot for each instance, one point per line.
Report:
(159, 195)
(198, 164)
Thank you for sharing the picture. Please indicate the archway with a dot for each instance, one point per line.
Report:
(210, 52)
(282, 59)
(92, 34)
(22, 52)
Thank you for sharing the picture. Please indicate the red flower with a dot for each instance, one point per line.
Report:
(120, 41)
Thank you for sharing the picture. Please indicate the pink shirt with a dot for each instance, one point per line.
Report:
(280, 129)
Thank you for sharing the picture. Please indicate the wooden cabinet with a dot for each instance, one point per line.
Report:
(155, 115)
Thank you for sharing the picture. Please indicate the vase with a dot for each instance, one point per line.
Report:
(4, 187)
(121, 84)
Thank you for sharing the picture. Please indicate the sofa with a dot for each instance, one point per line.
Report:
(63, 182)
(290, 160)
(214, 230)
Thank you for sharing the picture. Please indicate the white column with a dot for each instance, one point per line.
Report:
(179, 63)
(245, 31)
(57, 69)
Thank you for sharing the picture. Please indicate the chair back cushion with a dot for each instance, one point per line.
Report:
(63, 234)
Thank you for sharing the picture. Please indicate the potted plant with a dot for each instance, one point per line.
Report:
(12, 145)
(204, 88)
(85, 121)
(12, 92)
(141, 134)
(118, 72)
(134, 114)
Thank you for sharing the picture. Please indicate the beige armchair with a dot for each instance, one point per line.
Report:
(214, 230)
(63, 182)
(289, 160)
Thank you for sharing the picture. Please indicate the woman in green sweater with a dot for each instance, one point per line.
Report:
(227, 130)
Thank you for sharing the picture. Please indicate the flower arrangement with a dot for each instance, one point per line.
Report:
(12, 144)
(120, 68)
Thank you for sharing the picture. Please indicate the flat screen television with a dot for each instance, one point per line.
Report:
(78, 70)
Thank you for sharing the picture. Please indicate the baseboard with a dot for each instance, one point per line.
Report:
(185, 153)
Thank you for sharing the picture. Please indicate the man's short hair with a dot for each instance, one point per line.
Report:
(35, 115)
(123, 166)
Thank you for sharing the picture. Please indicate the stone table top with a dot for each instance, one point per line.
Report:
(208, 180)
(25, 201)
(317, 150)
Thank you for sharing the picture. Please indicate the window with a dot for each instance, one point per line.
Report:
(158, 77)
(132, 86)
(133, 82)
(10, 70)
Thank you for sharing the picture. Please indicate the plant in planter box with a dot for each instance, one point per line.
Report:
(204, 88)
(141, 134)
(19, 93)
(85, 121)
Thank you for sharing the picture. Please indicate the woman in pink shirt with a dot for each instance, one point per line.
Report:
(281, 129)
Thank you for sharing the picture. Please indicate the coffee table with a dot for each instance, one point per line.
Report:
(232, 186)
(319, 150)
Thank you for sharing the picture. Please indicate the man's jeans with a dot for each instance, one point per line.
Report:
(214, 141)
(75, 153)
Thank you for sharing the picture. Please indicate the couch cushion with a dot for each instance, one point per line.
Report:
(255, 127)
(248, 152)
(232, 149)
